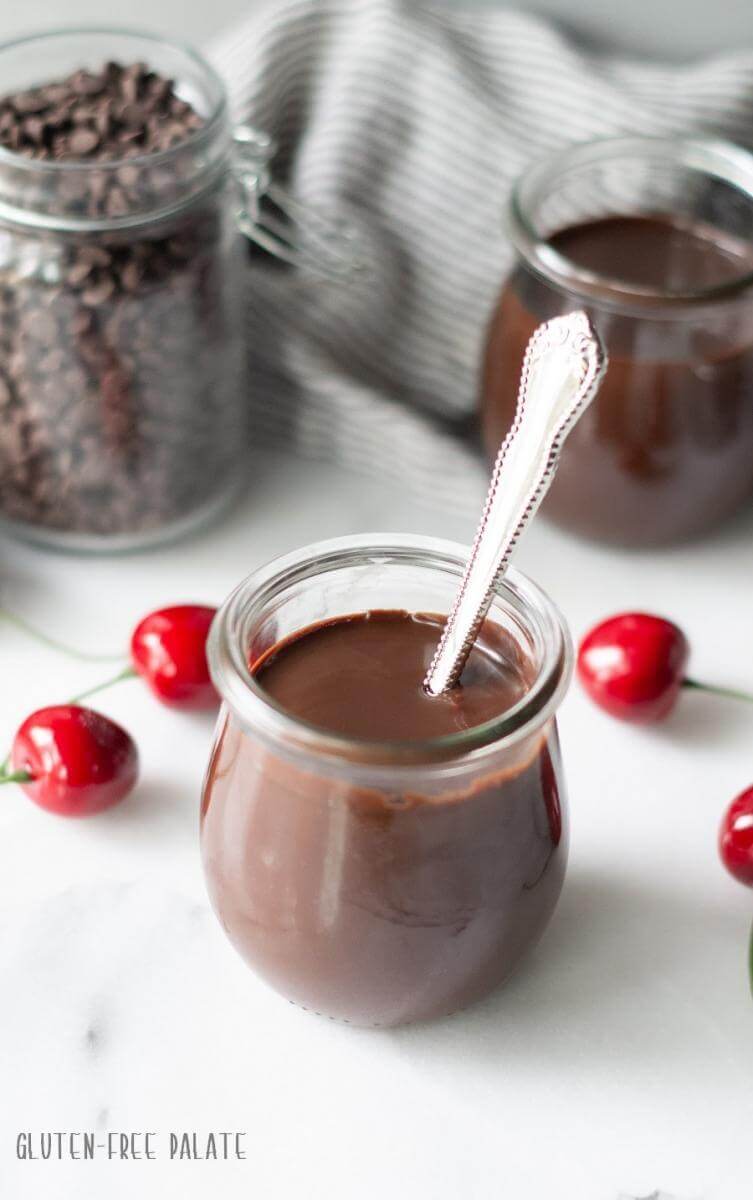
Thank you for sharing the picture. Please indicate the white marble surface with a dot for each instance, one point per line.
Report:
(618, 1060)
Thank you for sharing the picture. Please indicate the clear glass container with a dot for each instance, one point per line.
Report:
(123, 405)
(666, 451)
(382, 882)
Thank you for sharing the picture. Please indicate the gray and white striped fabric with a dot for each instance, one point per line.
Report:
(417, 121)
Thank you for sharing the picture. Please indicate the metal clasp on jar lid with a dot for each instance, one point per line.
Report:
(291, 231)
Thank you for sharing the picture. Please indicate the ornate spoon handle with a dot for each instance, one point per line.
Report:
(563, 367)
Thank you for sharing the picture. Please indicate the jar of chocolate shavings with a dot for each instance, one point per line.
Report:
(124, 191)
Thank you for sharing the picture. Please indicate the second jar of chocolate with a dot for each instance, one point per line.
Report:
(654, 237)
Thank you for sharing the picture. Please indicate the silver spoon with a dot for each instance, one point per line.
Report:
(562, 370)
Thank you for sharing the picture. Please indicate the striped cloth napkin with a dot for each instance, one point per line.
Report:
(416, 121)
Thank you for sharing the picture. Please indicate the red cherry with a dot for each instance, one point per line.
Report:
(77, 762)
(633, 666)
(169, 649)
(736, 838)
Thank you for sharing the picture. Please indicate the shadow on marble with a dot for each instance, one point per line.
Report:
(159, 803)
(704, 717)
(602, 986)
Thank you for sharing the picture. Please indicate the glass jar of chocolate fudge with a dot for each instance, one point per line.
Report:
(376, 854)
(654, 237)
(124, 195)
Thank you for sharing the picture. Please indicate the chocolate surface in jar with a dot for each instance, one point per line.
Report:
(666, 451)
(361, 676)
(399, 879)
(121, 406)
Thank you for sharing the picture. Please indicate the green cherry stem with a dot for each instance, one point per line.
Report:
(126, 673)
(728, 693)
(15, 777)
(31, 631)
(22, 776)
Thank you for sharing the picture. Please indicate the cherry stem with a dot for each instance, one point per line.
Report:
(126, 673)
(23, 776)
(728, 693)
(16, 777)
(12, 618)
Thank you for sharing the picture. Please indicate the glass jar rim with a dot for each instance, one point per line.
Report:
(217, 120)
(255, 709)
(714, 156)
